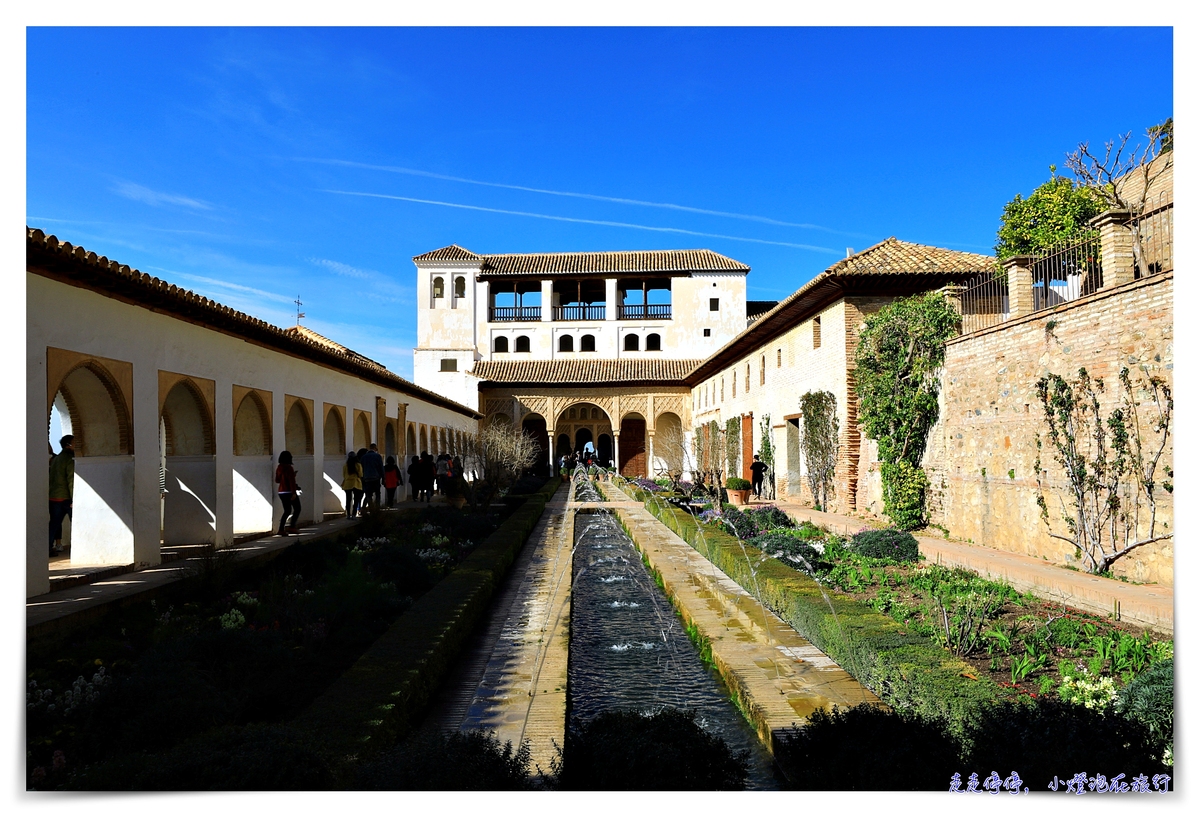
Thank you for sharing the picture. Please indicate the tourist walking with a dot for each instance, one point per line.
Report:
(443, 473)
(391, 479)
(428, 475)
(352, 483)
(289, 494)
(62, 485)
(415, 470)
(757, 470)
(372, 465)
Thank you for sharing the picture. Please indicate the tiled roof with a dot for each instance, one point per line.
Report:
(757, 309)
(62, 261)
(621, 261)
(620, 370)
(919, 265)
(450, 253)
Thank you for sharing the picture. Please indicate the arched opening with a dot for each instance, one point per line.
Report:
(669, 444)
(566, 343)
(424, 441)
(536, 426)
(631, 342)
(333, 449)
(188, 468)
(90, 405)
(587, 343)
(334, 434)
(633, 445)
(460, 287)
(254, 495)
(362, 431)
(500, 344)
(251, 427)
(522, 344)
(439, 287)
(653, 342)
(297, 431)
(389, 439)
(583, 437)
(604, 449)
(563, 445)
(499, 419)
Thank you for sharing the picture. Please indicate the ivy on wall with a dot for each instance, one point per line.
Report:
(899, 359)
(733, 444)
(819, 442)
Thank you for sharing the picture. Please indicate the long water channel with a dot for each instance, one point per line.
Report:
(629, 650)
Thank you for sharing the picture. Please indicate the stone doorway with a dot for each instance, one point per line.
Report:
(632, 448)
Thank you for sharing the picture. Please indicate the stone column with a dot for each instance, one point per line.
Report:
(610, 299)
(617, 451)
(1020, 285)
(547, 299)
(380, 419)
(402, 452)
(650, 455)
(953, 294)
(1116, 247)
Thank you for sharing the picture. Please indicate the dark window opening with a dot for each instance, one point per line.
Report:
(653, 342)
(817, 332)
(449, 364)
(501, 344)
(587, 343)
(707, 332)
(631, 343)
(522, 343)
(714, 304)
(566, 343)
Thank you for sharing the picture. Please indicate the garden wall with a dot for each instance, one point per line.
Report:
(982, 451)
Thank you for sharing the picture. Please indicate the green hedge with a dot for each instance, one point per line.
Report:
(905, 670)
(384, 694)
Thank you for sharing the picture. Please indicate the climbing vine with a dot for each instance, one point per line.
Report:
(899, 359)
(819, 442)
(766, 453)
(733, 444)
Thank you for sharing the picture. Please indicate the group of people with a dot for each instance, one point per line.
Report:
(364, 474)
(427, 475)
(586, 458)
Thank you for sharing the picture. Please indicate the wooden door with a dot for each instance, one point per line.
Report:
(633, 447)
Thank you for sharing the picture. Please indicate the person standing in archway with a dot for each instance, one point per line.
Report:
(372, 465)
(289, 494)
(62, 485)
(352, 472)
(391, 479)
(757, 470)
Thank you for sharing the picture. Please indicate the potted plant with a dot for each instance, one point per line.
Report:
(456, 492)
(738, 488)
(564, 474)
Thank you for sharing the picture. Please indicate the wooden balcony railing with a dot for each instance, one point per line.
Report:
(660, 312)
(515, 314)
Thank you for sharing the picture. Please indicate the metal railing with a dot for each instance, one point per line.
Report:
(644, 311)
(1155, 233)
(515, 314)
(586, 312)
(984, 301)
(1067, 272)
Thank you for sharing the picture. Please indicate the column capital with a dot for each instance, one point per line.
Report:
(1114, 216)
(1018, 261)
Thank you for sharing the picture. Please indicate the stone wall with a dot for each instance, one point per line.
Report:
(982, 452)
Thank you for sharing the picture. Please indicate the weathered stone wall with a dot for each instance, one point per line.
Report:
(982, 452)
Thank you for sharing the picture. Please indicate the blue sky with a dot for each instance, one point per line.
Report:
(252, 165)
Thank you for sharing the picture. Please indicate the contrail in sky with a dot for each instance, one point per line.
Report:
(583, 221)
(591, 196)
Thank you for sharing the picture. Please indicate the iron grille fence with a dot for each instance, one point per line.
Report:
(585, 312)
(1068, 271)
(984, 301)
(1155, 232)
(515, 314)
(644, 311)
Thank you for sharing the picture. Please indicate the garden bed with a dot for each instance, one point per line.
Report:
(232, 646)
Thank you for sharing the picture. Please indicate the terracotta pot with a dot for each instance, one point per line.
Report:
(737, 496)
(458, 502)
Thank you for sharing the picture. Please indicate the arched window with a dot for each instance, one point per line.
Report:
(460, 287)
(653, 342)
(439, 287)
(587, 343)
(566, 343)
(631, 343)
(522, 343)
(501, 344)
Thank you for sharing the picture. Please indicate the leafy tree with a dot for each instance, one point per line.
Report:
(819, 442)
(1111, 467)
(1057, 210)
(733, 444)
(899, 358)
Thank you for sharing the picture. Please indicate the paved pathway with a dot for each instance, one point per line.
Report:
(1150, 606)
(779, 676)
(513, 680)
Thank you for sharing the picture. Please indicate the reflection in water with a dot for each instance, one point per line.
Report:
(628, 648)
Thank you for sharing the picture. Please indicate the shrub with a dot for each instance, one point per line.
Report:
(904, 488)
(1150, 700)
(625, 750)
(867, 748)
(886, 544)
(785, 545)
(739, 522)
(738, 484)
(472, 760)
(768, 517)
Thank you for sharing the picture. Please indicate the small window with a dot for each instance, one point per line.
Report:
(733, 384)
(778, 358)
(587, 343)
(722, 390)
(747, 377)
(439, 287)
(653, 342)
(522, 343)
(714, 304)
(817, 332)
(501, 344)
(595, 413)
(449, 364)
(631, 343)
(566, 343)
(571, 413)
(707, 332)
(460, 287)
(762, 374)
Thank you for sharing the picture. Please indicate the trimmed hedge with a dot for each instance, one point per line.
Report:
(886, 544)
(379, 699)
(905, 670)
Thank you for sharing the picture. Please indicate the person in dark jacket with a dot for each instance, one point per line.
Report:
(391, 479)
(62, 485)
(757, 470)
(372, 465)
(414, 476)
(289, 494)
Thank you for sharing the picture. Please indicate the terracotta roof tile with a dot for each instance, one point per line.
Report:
(621, 370)
(621, 261)
(80, 267)
(451, 253)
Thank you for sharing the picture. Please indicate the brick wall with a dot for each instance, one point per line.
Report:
(981, 453)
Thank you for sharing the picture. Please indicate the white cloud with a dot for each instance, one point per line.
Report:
(344, 269)
(154, 198)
